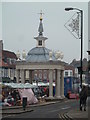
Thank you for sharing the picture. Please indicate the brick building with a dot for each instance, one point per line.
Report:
(7, 64)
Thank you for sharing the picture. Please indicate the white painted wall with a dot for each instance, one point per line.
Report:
(70, 73)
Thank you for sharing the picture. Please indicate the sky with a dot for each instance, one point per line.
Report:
(20, 21)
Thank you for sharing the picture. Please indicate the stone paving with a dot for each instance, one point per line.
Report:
(77, 114)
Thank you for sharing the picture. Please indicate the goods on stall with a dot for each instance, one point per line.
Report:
(31, 99)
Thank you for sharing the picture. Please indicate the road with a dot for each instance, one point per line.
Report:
(49, 111)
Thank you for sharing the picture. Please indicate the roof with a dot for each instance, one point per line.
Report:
(40, 30)
(69, 67)
(39, 54)
(8, 54)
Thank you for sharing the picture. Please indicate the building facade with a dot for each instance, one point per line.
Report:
(7, 66)
(69, 71)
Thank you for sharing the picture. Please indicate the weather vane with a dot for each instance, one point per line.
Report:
(41, 13)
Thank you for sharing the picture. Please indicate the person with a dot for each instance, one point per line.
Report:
(13, 93)
(10, 99)
(46, 92)
(83, 97)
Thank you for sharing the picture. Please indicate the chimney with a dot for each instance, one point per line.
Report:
(1, 45)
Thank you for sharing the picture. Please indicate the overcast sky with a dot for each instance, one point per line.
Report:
(20, 21)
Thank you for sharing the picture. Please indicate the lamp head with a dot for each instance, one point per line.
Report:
(67, 9)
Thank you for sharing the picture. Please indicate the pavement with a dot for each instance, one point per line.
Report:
(77, 114)
(72, 114)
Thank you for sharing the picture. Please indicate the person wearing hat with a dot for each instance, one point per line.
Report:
(83, 96)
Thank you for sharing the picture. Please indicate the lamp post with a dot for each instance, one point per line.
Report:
(68, 9)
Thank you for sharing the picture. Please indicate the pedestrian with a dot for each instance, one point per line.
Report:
(10, 99)
(14, 96)
(83, 97)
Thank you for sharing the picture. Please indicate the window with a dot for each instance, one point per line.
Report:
(71, 74)
(5, 72)
(5, 60)
(12, 72)
(40, 42)
(13, 61)
(66, 74)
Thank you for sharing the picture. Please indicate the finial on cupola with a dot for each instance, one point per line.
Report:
(40, 29)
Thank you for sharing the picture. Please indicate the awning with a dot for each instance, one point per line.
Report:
(20, 85)
(43, 84)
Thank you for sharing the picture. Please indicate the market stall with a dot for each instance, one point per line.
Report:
(13, 93)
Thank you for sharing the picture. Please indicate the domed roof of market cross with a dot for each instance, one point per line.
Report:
(39, 54)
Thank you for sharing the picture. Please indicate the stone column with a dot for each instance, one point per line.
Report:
(9, 74)
(55, 82)
(17, 75)
(50, 83)
(27, 74)
(22, 76)
(62, 84)
(42, 75)
(58, 85)
(30, 76)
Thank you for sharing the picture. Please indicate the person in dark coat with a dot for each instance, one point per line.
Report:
(83, 97)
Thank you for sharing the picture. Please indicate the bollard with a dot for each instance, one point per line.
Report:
(24, 103)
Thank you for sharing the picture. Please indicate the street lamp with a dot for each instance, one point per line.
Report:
(88, 52)
(68, 9)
